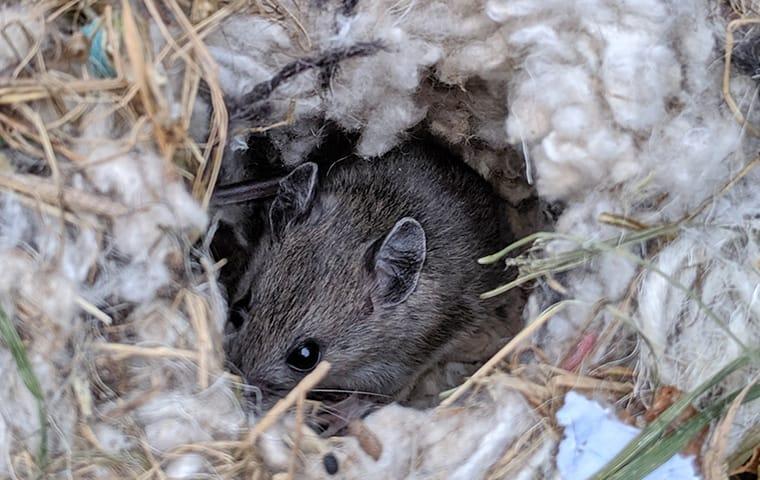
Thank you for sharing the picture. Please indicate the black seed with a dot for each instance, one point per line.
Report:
(331, 464)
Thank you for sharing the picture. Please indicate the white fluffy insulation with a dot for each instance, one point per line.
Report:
(49, 268)
(459, 444)
(652, 149)
(616, 107)
(136, 265)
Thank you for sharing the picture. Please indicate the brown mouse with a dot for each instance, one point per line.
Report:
(372, 266)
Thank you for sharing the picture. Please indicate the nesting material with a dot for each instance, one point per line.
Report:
(22, 35)
(397, 442)
(592, 436)
(618, 112)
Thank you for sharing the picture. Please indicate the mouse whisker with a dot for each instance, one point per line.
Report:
(357, 392)
(333, 413)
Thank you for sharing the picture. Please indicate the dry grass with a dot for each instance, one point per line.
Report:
(54, 77)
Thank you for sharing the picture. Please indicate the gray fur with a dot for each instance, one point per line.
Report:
(379, 268)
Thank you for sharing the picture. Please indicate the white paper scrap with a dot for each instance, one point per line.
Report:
(594, 435)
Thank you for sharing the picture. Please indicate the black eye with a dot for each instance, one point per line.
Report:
(304, 357)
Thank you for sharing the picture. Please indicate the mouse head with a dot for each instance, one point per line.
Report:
(328, 284)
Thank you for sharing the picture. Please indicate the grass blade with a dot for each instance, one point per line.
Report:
(587, 250)
(527, 278)
(656, 430)
(11, 338)
(663, 450)
(493, 258)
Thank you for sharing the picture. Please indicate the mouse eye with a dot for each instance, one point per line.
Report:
(304, 357)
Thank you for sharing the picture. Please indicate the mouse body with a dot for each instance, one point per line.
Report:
(372, 266)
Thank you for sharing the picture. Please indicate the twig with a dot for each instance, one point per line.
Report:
(204, 182)
(300, 400)
(94, 311)
(79, 200)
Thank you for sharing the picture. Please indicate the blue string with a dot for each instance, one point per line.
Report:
(97, 61)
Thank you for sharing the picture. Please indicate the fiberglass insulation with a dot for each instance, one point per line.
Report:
(615, 106)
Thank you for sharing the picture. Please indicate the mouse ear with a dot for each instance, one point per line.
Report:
(293, 196)
(398, 262)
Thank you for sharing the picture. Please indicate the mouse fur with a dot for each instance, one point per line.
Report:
(375, 261)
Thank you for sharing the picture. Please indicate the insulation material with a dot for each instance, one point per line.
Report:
(378, 92)
(397, 442)
(612, 109)
(717, 263)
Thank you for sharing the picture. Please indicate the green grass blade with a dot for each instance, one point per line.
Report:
(510, 248)
(624, 239)
(662, 451)
(527, 278)
(568, 260)
(656, 430)
(11, 338)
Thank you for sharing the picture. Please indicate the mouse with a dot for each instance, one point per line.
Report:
(371, 265)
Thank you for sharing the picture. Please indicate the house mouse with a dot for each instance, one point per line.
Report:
(372, 266)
